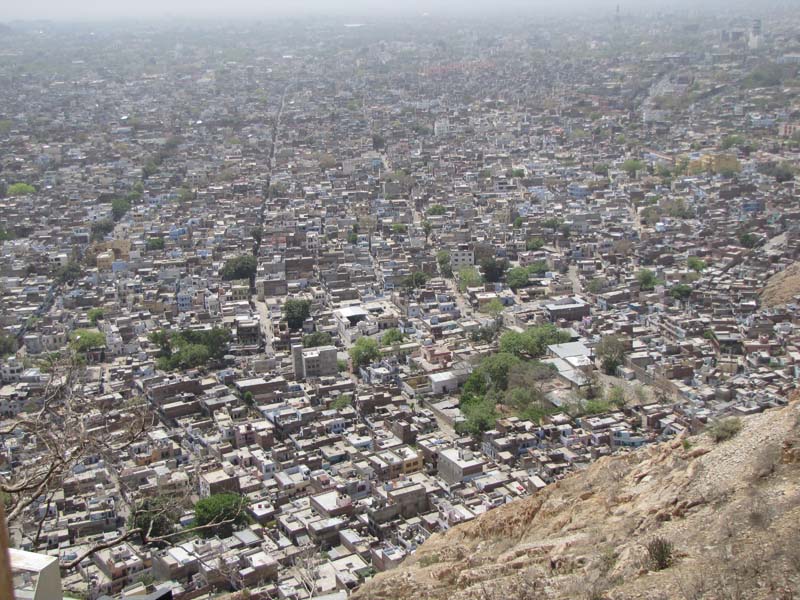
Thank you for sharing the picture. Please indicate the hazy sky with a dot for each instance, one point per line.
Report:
(83, 10)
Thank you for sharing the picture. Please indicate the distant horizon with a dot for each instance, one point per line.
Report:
(89, 11)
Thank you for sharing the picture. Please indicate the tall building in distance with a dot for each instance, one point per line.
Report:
(754, 40)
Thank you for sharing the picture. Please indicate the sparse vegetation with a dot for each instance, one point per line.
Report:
(660, 553)
(724, 429)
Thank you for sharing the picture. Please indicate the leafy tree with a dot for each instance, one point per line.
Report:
(611, 351)
(632, 165)
(343, 401)
(782, 172)
(83, 340)
(352, 237)
(518, 277)
(68, 273)
(493, 308)
(518, 222)
(533, 342)
(95, 314)
(496, 368)
(378, 142)
(8, 344)
(364, 351)
(100, 229)
(20, 189)
(156, 517)
(248, 399)
(436, 210)
(552, 223)
(695, 264)
(732, 141)
(493, 269)
(190, 348)
(327, 161)
(257, 234)
(225, 511)
(680, 291)
(647, 279)
(416, 280)
(399, 228)
(316, 339)
(534, 243)
(601, 169)
(443, 260)
(748, 240)
(155, 243)
(240, 267)
(5, 235)
(469, 277)
(119, 206)
(480, 415)
(185, 194)
(296, 312)
(392, 336)
(427, 228)
(596, 285)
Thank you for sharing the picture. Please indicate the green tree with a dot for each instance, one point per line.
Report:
(316, 339)
(20, 189)
(436, 210)
(8, 344)
(748, 240)
(695, 264)
(392, 336)
(221, 514)
(443, 260)
(257, 234)
(647, 279)
(352, 238)
(416, 280)
(493, 269)
(493, 308)
(95, 314)
(534, 341)
(83, 340)
(155, 243)
(518, 222)
(155, 517)
(296, 312)
(68, 273)
(518, 277)
(248, 399)
(100, 229)
(632, 166)
(469, 277)
(119, 206)
(534, 243)
(479, 416)
(611, 351)
(399, 228)
(680, 291)
(240, 267)
(364, 351)
(343, 401)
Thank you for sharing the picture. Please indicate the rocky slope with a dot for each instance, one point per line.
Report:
(782, 287)
(730, 509)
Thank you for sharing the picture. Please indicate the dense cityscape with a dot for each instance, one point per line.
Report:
(282, 299)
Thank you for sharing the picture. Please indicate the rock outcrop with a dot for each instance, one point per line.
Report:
(731, 511)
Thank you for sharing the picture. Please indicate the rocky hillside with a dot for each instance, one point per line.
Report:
(731, 511)
(782, 287)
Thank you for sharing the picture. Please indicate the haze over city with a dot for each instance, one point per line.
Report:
(369, 300)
